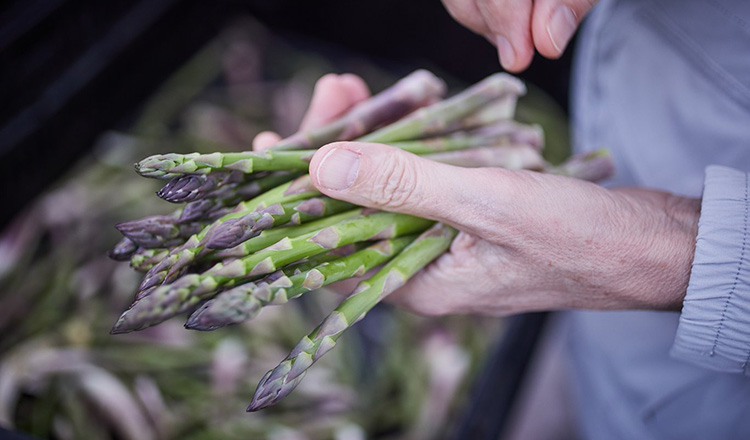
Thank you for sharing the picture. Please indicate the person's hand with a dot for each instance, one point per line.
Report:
(529, 241)
(333, 95)
(515, 27)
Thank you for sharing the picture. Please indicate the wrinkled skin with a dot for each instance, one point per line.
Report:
(528, 241)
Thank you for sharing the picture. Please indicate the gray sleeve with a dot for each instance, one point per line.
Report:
(714, 329)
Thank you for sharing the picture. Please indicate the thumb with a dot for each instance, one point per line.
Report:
(554, 22)
(384, 177)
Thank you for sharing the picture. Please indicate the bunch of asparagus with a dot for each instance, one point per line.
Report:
(254, 231)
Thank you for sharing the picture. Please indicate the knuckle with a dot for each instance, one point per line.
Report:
(396, 183)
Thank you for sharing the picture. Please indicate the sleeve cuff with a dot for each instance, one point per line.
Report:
(714, 328)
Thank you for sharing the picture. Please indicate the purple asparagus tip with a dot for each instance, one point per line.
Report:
(151, 281)
(196, 210)
(123, 250)
(186, 188)
(229, 234)
(120, 327)
(196, 321)
(144, 293)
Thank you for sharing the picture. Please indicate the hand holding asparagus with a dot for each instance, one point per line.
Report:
(258, 232)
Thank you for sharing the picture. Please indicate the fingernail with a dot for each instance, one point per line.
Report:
(338, 169)
(505, 52)
(561, 27)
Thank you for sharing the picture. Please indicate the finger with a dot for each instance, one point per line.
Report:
(509, 26)
(355, 87)
(555, 21)
(265, 139)
(333, 95)
(388, 178)
(467, 13)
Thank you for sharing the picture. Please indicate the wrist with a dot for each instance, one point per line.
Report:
(662, 253)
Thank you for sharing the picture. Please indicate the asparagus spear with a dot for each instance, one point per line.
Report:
(500, 134)
(298, 268)
(245, 301)
(180, 257)
(175, 263)
(170, 299)
(435, 118)
(216, 203)
(123, 250)
(145, 259)
(592, 166)
(512, 157)
(158, 231)
(496, 111)
(207, 209)
(270, 236)
(416, 90)
(167, 166)
(237, 230)
(280, 381)
(189, 187)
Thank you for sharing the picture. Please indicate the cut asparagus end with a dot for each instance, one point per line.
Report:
(593, 166)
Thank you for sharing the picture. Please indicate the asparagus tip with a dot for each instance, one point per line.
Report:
(117, 329)
(228, 235)
(185, 188)
(123, 250)
(196, 322)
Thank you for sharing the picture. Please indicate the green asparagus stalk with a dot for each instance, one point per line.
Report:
(301, 266)
(170, 270)
(168, 300)
(167, 166)
(237, 230)
(245, 301)
(512, 132)
(416, 90)
(434, 119)
(500, 134)
(180, 257)
(499, 110)
(512, 157)
(280, 381)
(270, 236)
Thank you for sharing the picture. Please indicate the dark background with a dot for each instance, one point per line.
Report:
(70, 69)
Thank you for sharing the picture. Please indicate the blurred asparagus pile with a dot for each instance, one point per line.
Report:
(255, 232)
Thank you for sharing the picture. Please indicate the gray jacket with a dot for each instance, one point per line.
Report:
(665, 84)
